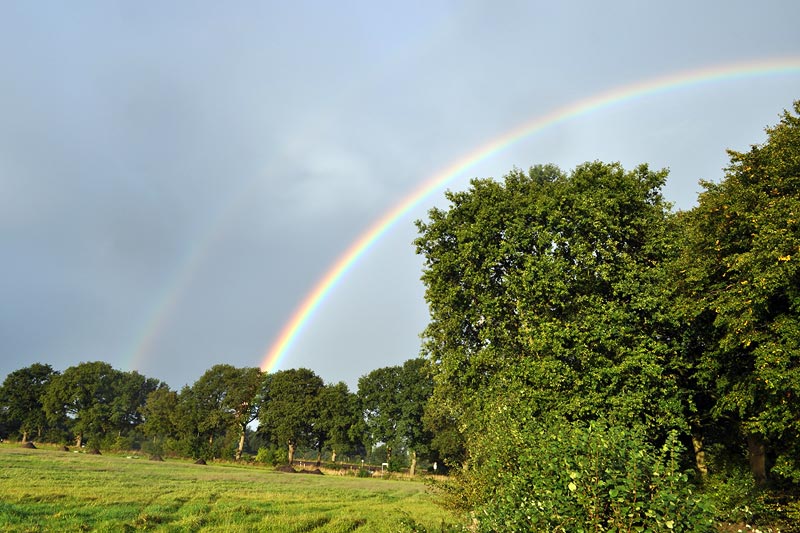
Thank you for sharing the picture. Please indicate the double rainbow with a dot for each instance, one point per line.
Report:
(680, 80)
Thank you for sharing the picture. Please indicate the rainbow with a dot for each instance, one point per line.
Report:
(180, 279)
(679, 80)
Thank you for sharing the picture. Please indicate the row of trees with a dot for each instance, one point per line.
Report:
(96, 405)
(588, 343)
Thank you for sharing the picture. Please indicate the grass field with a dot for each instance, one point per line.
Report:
(50, 490)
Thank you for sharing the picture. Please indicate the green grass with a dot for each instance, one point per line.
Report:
(49, 490)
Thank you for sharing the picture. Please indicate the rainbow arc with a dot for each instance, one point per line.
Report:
(680, 80)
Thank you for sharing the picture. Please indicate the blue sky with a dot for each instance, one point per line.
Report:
(175, 176)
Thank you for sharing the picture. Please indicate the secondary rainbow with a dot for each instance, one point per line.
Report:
(683, 79)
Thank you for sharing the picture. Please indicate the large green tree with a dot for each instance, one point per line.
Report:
(393, 399)
(554, 280)
(291, 407)
(339, 423)
(21, 400)
(224, 400)
(740, 281)
(243, 400)
(191, 424)
(131, 390)
(546, 298)
(82, 396)
(158, 414)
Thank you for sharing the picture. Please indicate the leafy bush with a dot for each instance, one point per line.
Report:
(121, 443)
(576, 477)
(271, 456)
(731, 487)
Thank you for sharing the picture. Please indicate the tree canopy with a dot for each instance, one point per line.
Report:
(549, 281)
(566, 302)
(741, 296)
(292, 406)
(21, 397)
(393, 400)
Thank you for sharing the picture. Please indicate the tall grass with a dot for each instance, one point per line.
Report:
(50, 490)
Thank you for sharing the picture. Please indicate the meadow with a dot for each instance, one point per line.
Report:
(51, 490)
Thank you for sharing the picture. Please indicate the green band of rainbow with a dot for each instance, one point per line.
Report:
(684, 79)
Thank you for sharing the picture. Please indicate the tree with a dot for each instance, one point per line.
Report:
(740, 280)
(441, 418)
(290, 408)
(158, 413)
(131, 390)
(225, 399)
(83, 396)
(243, 400)
(379, 392)
(339, 419)
(21, 399)
(393, 400)
(553, 279)
(194, 434)
(546, 299)
(416, 390)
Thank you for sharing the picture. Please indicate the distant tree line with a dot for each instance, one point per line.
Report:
(602, 363)
(226, 413)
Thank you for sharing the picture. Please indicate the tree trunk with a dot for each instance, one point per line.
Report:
(78, 440)
(413, 469)
(291, 452)
(24, 437)
(388, 455)
(241, 445)
(333, 456)
(699, 454)
(758, 464)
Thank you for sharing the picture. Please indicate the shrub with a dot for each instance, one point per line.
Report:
(583, 477)
(732, 488)
(271, 456)
(121, 443)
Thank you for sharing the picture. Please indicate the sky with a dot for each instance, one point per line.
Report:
(176, 177)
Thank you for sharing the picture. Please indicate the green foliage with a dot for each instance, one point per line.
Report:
(153, 446)
(732, 489)
(740, 295)
(552, 296)
(82, 398)
(21, 397)
(291, 408)
(209, 418)
(393, 401)
(570, 476)
(339, 426)
(271, 456)
(555, 280)
(552, 474)
(158, 412)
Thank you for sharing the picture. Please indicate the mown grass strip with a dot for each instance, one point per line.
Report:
(48, 490)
